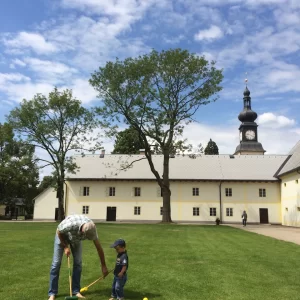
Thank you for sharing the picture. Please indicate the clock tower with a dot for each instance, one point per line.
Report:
(248, 130)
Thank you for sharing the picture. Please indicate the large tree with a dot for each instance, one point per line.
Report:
(157, 94)
(211, 148)
(58, 124)
(18, 169)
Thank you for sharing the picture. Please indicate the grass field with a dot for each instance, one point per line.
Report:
(166, 262)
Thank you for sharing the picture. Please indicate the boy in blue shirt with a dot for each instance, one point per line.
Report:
(120, 272)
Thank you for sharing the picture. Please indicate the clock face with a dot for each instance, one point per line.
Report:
(250, 135)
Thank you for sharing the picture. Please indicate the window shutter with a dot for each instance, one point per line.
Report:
(132, 192)
(81, 191)
(106, 191)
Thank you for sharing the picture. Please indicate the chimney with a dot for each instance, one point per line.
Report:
(102, 153)
(142, 151)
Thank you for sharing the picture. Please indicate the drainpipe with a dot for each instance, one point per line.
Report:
(220, 198)
(66, 198)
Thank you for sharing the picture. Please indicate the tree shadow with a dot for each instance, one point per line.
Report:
(129, 294)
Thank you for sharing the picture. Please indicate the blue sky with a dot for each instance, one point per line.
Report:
(44, 43)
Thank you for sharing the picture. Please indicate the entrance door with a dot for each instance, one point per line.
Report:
(111, 213)
(264, 215)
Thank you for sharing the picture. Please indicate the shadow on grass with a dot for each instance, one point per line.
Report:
(129, 294)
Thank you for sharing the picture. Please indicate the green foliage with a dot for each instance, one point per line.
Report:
(59, 125)
(156, 94)
(47, 181)
(127, 142)
(18, 170)
(211, 148)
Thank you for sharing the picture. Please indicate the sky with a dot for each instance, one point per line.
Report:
(47, 43)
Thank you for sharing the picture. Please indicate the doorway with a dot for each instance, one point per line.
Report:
(263, 216)
(111, 213)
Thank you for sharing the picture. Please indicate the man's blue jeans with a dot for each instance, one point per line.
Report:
(55, 267)
(118, 287)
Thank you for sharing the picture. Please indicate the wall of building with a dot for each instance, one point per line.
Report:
(290, 199)
(245, 196)
(44, 205)
(2, 210)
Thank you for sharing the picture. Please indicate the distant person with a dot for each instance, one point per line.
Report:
(120, 271)
(244, 218)
(70, 232)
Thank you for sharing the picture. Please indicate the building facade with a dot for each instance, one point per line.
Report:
(203, 187)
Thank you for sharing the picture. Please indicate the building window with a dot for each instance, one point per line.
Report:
(85, 191)
(195, 191)
(196, 211)
(286, 209)
(212, 211)
(298, 208)
(228, 192)
(137, 191)
(262, 192)
(229, 212)
(85, 210)
(161, 210)
(285, 184)
(112, 191)
(296, 181)
(137, 210)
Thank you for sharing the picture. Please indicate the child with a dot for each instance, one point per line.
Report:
(120, 272)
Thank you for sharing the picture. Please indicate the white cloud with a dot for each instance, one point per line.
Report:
(274, 121)
(35, 41)
(82, 90)
(214, 32)
(6, 78)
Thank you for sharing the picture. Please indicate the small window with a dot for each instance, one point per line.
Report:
(137, 210)
(296, 181)
(196, 211)
(161, 210)
(137, 191)
(112, 191)
(85, 210)
(85, 191)
(286, 209)
(229, 212)
(212, 211)
(195, 191)
(285, 184)
(298, 208)
(262, 192)
(228, 192)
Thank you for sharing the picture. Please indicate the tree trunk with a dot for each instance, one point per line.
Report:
(60, 196)
(166, 191)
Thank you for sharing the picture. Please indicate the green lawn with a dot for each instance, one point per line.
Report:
(166, 262)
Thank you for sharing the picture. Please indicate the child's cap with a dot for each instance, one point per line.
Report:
(118, 242)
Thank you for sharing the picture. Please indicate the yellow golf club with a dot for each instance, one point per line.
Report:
(84, 289)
